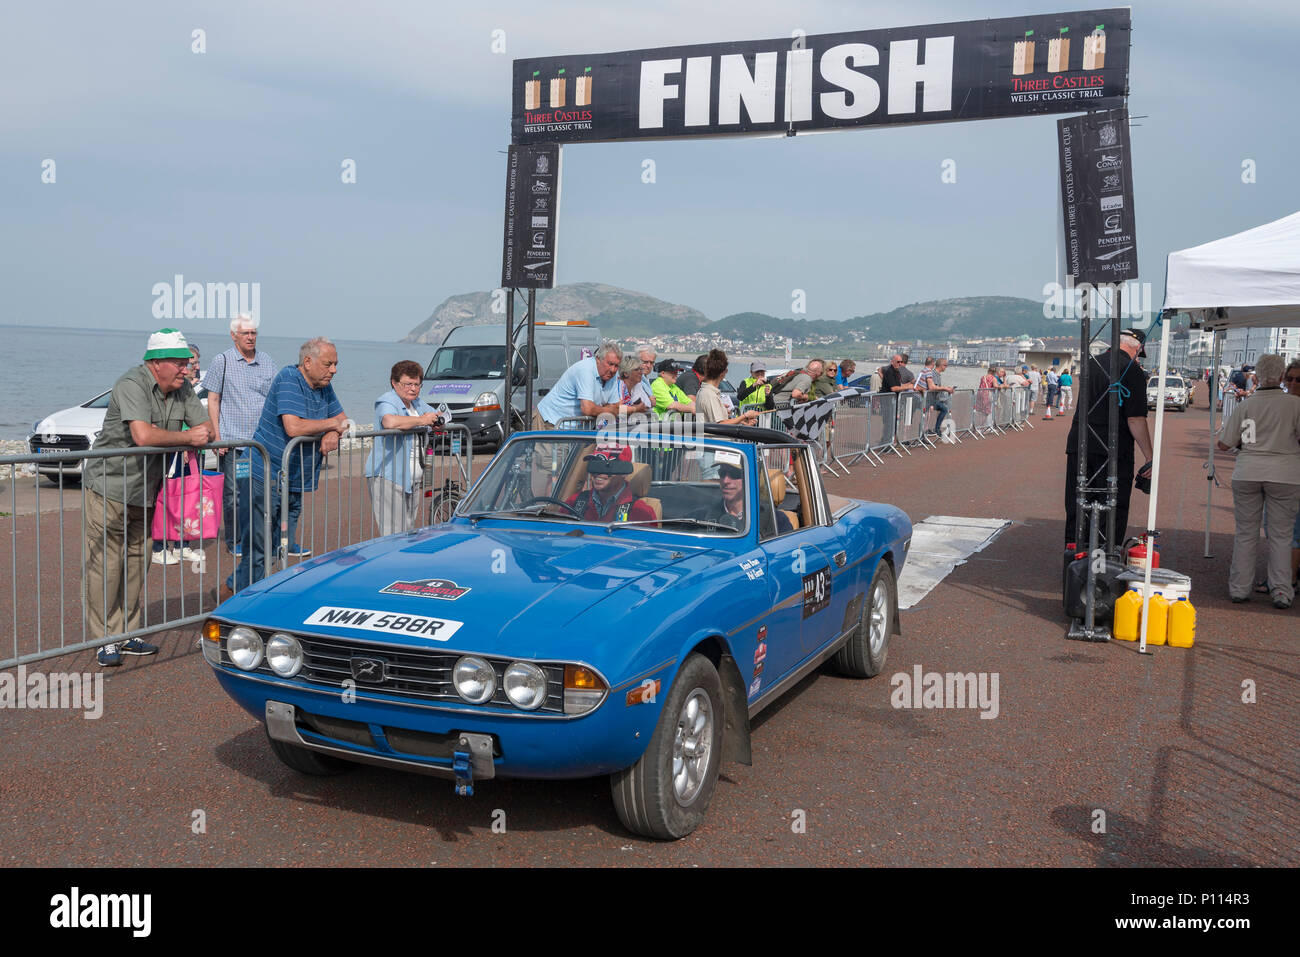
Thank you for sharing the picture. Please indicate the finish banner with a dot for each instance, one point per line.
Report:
(973, 70)
(1097, 197)
(532, 217)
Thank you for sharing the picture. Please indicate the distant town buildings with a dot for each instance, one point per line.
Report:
(970, 352)
(1242, 346)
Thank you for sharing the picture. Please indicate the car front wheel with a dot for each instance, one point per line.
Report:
(868, 647)
(666, 794)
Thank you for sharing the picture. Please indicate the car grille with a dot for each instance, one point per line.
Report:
(72, 443)
(409, 671)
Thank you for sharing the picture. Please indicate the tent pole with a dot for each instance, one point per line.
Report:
(1155, 480)
(1209, 458)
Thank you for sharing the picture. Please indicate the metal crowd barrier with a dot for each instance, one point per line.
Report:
(1002, 412)
(47, 561)
(346, 507)
(986, 406)
(882, 424)
(961, 409)
(1230, 401)
(1020, 408)
(853, 432)
(577, 423)
(911, 421)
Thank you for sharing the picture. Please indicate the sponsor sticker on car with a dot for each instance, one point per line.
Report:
(442, 588)
(388, 623)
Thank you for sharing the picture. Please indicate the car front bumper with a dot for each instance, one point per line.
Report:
(414, 735)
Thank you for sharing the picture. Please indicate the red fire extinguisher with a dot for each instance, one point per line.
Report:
(1137, 553)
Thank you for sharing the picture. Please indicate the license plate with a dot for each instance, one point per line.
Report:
(368, 619)
(51, 448)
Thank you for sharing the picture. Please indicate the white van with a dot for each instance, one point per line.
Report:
(468, 372)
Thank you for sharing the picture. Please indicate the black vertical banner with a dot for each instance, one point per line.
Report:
(1097, 197)
(532, 213)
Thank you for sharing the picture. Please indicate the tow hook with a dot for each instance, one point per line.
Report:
(462, 764)
(472, 758)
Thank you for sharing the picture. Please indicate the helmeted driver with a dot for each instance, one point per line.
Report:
(609, 497)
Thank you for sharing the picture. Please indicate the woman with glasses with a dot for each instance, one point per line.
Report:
(395, 468)
(1265, 481)
(634, 391)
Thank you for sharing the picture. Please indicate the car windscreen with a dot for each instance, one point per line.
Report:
(1171, 382)
(654, 482)
(468, 362)
(98, 402)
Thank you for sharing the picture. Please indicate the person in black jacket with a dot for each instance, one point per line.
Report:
(1121, 370)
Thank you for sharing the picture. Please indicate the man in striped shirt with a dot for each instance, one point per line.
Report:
(237, 382)
(301, 402)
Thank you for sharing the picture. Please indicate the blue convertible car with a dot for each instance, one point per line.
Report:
(617, 604)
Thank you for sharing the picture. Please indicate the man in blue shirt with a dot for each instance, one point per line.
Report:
(237, 383)
(588, 387)
(301, 402)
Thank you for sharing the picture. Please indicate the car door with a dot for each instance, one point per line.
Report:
(829, 581)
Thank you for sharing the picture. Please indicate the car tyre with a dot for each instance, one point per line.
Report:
(863, 656)
(306, 761)
(665, 794)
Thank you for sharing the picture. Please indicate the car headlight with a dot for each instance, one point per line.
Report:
(474, 679)
(284, 655)
(525, 685)
(244, 646)
(487, 401)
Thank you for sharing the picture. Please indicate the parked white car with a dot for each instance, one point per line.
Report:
(75, 430)
(69, 430)
(1176, 394)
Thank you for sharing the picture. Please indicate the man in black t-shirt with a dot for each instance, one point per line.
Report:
(1110, 367)
(895, 377)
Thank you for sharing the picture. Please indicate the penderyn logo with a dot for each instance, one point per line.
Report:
(179, 299)
(64, 691)
(77, 910)
(949, 690)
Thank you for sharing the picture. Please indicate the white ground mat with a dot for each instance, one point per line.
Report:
(940, 544)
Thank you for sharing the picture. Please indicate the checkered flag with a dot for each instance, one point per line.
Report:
(807, 420)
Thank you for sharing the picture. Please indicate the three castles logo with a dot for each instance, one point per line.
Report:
(553, 116)
(1059, 83)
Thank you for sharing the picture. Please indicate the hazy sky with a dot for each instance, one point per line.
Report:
(225, 166)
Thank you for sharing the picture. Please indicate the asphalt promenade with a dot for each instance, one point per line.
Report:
(1096, 756)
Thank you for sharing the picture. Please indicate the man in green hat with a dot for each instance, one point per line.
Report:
(149, 406)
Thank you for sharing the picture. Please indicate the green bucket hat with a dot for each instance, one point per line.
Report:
(167, 344)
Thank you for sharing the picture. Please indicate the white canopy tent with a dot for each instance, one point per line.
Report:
(1254, 277)
(1248, 279)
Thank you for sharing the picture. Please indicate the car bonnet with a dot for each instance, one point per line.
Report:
(508, 587)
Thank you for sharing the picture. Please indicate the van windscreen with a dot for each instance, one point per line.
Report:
(468, 362)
